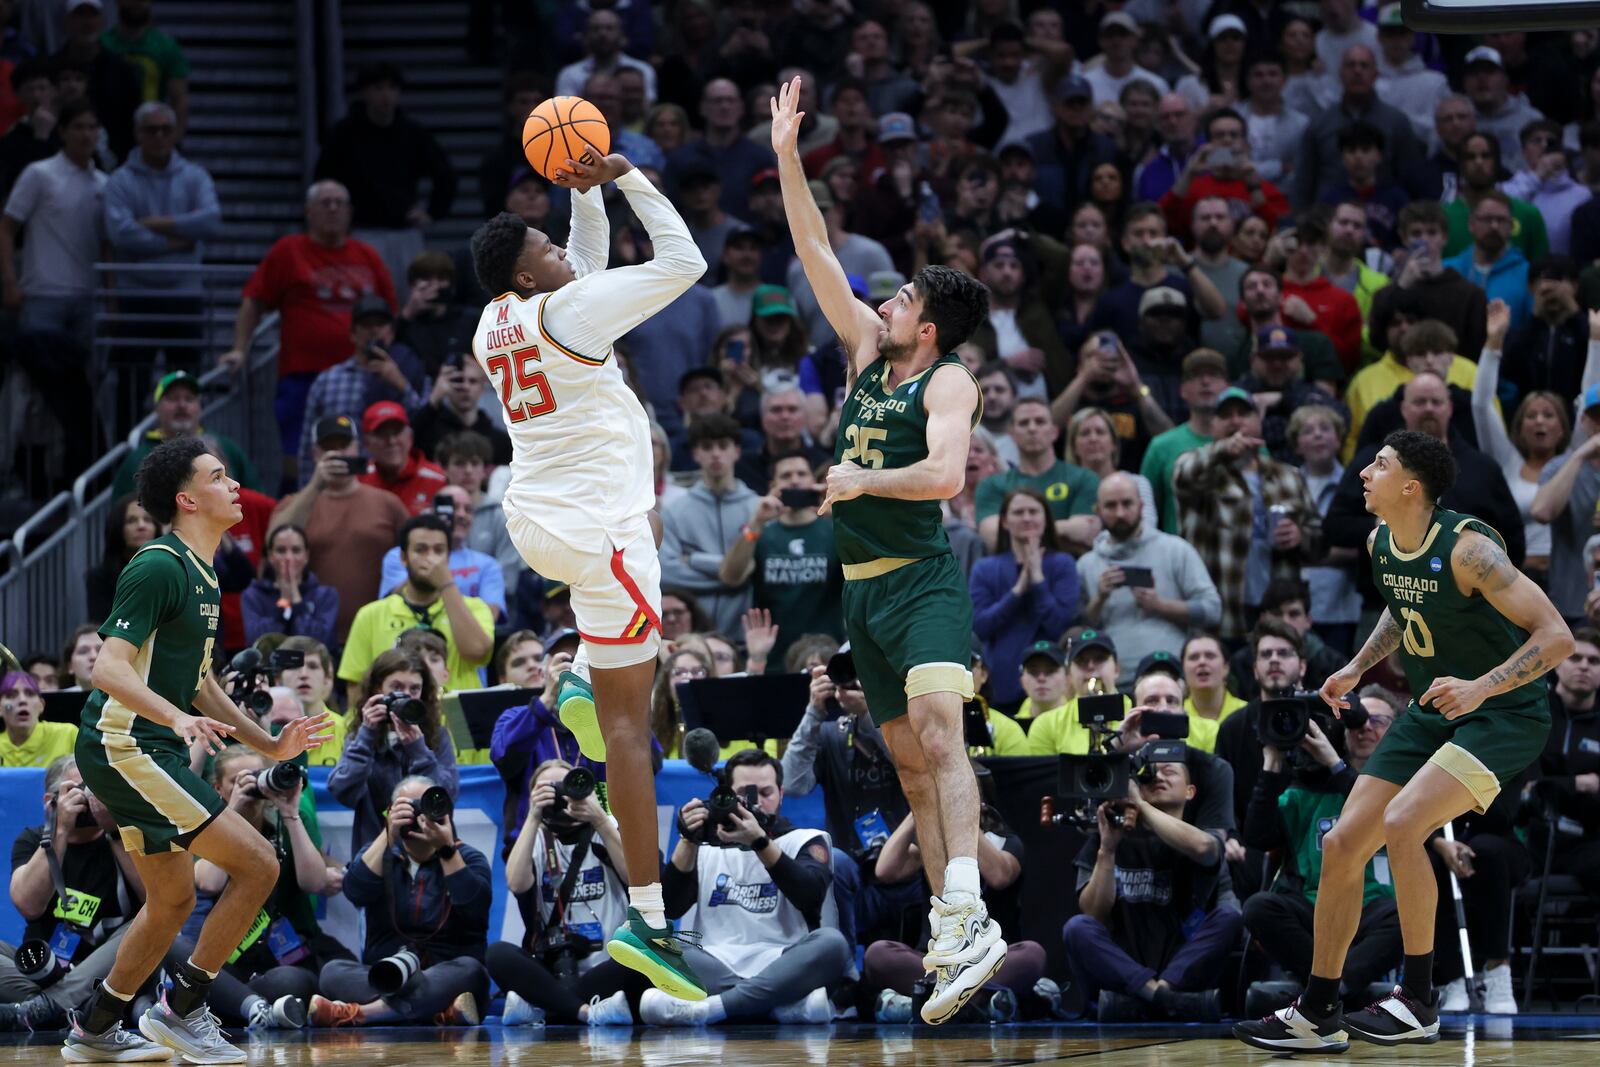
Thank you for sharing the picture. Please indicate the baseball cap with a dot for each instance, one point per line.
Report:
(1390, 17)
(1234, 393)
(562, 636)
(177, 377)
(883, 284)
(1048, 649)
(370, 305)
(1591, 398)
(896, 126)
(1120, 20)
(1088, 639)
(764, 176)
(771, 300)
(1204, 359)
(333, 426)
(1073, 87)
(1226, 24)
(693, 373)
(14, 679)
(821, 194)
(1162, 296)
(1277, 339)
(1484, 54)
(1160, 660)
(1008, 247)
(384, 411)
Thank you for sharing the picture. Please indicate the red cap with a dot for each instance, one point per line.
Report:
(381, 412)
(764, 176)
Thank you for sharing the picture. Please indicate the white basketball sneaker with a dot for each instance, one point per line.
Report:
(966, 951)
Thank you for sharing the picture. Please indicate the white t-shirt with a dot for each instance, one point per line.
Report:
(599, 901)
(746, 921)
(1109, 87)
(1331, 46)
(59, 207)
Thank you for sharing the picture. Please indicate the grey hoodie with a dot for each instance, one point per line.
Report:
(697, 531)
(182, 191)
(1179, 574)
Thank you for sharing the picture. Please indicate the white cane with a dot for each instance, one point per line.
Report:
(1468, 971)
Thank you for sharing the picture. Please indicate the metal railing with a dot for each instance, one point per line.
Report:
(305, 59)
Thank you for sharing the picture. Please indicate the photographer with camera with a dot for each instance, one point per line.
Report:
(758, 883)
(401, 735)
(837, 746)
(1158, 715)
(1278, 662)
(1295, 801)
(76, 856)
(1153, 933)
(1091, 672)
(425, 896)
(570, 878)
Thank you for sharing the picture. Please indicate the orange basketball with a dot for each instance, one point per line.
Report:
(556, 130)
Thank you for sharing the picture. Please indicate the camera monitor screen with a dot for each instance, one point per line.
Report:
(1476, 16)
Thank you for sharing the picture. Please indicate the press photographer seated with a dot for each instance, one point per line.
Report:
(401, 734)
(272, 975)
(425, 897)
(759, 884)
(570, 877)
(96, 873)
(1158, 714)
(1295, 802)
(1154, 931)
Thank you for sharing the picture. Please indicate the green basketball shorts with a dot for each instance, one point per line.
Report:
(1483, 750)
(910, 630)
(159, 803)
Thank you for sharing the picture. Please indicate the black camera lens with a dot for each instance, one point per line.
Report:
(578, 783)
(258, 701)
(280, 779)
(408, 709)
(435, 803)
(1097, 778)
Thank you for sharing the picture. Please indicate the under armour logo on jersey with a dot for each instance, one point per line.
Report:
(123, 624)
(199, 590)
(504, 315)
(1383, 561)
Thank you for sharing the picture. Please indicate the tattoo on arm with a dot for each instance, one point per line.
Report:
(1385, 639)
(1525, 667)
(1486, 565)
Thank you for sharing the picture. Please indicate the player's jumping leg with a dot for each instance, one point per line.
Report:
(1314, 1022)
(1410, 1015)
(646, 941)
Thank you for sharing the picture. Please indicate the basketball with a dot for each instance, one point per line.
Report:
(556, 130)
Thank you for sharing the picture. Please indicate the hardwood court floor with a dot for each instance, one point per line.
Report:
(1547, 1041)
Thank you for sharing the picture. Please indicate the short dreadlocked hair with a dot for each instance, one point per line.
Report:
(1425, 458)
(496, 246)
(953, 301)
(163, 474)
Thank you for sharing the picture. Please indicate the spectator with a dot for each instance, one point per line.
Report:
(1158, 261)
(784, 416)
(1279, 666)
(1204, 379)
(1320, 166)
(1545, 182)
(778, 966)
(1250, 240)
(1570, 763)
(312, 686)
(1081, 311)
(34, 136)
(998, 384)
(786, 554)
(569, 876)
(1501, 114)
(698, 530)
(1277, 386)
(466, 457)
(1162, 953)
(398, 466)
(456, 406)
(46, 673)
(314, 328)
(1092, 444)
(287, 598)
(116, 86)
(1492, 262)
(855, 137)
(78, 658)
(520, 93)
(348, 524)
(741, 277)
(1350, 227)
(1296, 796)
(666, 345)
(101, 875)
(857, 254)
(1287, 600)
(1299, 252)
(1214, 228)
(1021, 68)
(888, 86)
(1220, 82)
(1090, 664)
(1207, 701)
(381, 155)
(1222, 169)
(1119, 40)
(428, 598)
(816, 128)
(529, 735)
(1335, 600)
(1549, 351)
(1249, 516)
(1404, 80)
(160, 208)
(1142, 618)
(1379, 199)
(476, 574)
(1437, 177)
(1342, 28)
(1569, 494)
(1480, 175)
(1433, 289)
(1020, 330)
(1108, 379)
(129, 528)
(1068, 489)
(723, 147)
(438, 318)
(603, 42)
(158, 58)
(177, 412)
(29, 741)
(445, 888)
(378, 370)
(1067, 153)
(1175, 125)
(1275, 129)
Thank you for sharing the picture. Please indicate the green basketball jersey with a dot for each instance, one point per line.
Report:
(1445, 634)
(168, 605)
(887, 429)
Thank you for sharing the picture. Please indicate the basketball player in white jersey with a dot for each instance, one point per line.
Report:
(579, 507)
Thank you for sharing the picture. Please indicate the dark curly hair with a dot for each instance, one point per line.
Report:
(953, 301)
(496, 246)
(163, 474)
(1425, 458)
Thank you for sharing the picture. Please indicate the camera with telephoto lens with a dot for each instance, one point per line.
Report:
(280, 779)
(389, 975)
(253, 674)
(37, 962)
(841, 671)
(405, 707)
(1282, 722)
(578, 784)
(435, 803)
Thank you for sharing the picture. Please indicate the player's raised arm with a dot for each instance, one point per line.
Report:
(1481, 566)
(850, 319)
(589, 239)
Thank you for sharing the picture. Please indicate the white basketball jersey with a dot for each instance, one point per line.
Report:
(746, 920)
(599, 902)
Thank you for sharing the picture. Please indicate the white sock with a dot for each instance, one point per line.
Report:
(961, 876)
(646, 899)
(711, 1010)
(580, 662)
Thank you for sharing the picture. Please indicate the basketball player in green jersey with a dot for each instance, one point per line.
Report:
(1474, 635)
(133, 751)
(902, 450)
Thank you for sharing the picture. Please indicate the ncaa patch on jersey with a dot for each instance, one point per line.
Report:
(1434, 565)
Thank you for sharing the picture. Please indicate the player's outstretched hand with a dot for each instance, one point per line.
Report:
(301, 734)
(581, 176)
(1333, 691)
(210, 734)
(1453, 697)
(846, 481)
(786, 116)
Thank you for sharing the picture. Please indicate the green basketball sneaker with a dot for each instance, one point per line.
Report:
(575, 704)
(656, 953)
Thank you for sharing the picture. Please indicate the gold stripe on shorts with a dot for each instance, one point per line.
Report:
(1467, 769)
(927, 678)
(855, 572)
(155, 785)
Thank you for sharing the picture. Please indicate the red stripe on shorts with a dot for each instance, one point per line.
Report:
(642, 626)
